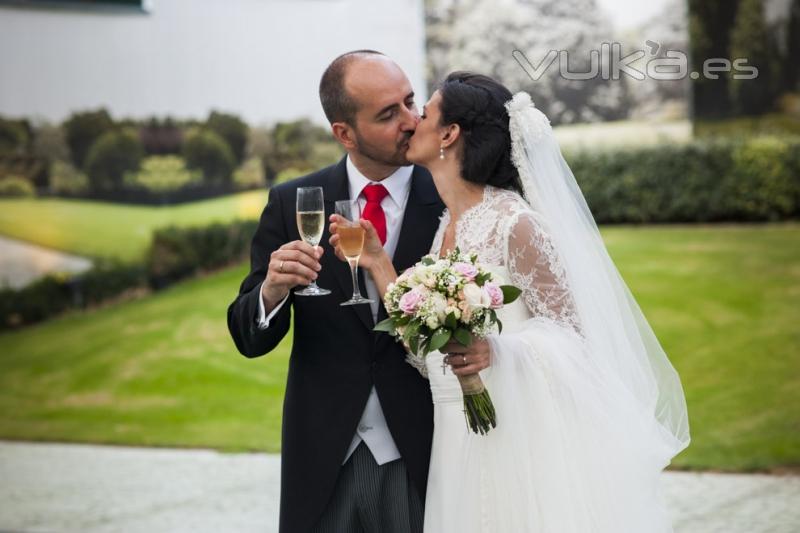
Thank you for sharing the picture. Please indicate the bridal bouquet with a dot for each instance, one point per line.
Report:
(437, 300)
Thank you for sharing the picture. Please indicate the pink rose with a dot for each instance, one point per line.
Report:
(465, 269)
(495, 294)
(410, 301)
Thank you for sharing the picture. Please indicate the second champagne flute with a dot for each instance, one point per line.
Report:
(310, 223)
(351, 241)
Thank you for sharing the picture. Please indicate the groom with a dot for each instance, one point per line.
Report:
(357, 419)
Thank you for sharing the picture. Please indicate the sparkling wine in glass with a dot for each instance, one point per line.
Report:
(351, 241)
(310, 223)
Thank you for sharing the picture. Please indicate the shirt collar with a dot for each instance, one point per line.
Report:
(398, 184)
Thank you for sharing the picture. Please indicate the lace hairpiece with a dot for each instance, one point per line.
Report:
(526, 123)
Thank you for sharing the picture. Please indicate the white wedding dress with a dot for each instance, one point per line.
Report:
(573, 452)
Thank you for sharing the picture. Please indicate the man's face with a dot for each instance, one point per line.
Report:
(387, 114)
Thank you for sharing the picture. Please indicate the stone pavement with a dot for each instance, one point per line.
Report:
(54, 488)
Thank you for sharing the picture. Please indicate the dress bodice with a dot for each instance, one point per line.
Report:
(512, 242)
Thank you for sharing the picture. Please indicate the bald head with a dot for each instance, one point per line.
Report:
(336, 88)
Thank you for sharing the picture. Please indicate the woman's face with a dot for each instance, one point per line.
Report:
(424, 145)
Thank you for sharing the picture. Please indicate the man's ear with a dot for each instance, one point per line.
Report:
(450, 135)
(343, 132)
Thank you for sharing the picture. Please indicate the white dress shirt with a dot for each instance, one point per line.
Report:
(372, 428)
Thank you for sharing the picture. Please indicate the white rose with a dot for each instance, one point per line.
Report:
(475, 296)
(421, 275)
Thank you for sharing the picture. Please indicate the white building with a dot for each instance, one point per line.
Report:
(261, 59)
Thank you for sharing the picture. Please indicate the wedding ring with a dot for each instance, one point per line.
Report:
(464, 359)
(280, 267)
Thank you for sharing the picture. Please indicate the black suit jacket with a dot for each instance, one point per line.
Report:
(336, 357)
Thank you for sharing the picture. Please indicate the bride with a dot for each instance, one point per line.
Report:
(589, 408)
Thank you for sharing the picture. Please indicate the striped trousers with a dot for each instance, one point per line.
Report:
(372, 498)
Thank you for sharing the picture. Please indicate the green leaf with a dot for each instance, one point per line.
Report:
(510, 293)
(427, 260)
(480, 279)
(450, 321)
(463, 336)
(385, 325)
(413, 344)
(499, 327)
(439, 339)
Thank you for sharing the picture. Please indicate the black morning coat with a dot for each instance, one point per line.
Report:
(336, 357)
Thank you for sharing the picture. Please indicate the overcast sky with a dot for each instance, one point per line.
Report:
(626, 14)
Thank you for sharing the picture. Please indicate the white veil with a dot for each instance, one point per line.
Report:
(622, 345)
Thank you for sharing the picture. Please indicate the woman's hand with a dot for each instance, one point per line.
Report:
(372, 252)
(468, 360)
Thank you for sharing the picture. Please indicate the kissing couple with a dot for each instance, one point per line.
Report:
(589, 408)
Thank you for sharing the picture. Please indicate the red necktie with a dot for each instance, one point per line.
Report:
(373, 210)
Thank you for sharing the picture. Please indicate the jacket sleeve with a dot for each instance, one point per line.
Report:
(243, 313)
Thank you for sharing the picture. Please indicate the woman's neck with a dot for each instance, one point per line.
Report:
(457, 193)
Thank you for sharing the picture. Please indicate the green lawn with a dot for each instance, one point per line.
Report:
(163, 371)
(101, 229)
(156, 371)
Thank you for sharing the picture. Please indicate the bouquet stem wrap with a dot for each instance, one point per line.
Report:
(478, 407)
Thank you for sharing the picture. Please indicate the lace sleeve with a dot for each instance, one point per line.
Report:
(535, 267)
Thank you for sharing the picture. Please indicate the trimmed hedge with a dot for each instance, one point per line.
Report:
(56, 293)
(139, 195)
(176, 253)
(756, 179)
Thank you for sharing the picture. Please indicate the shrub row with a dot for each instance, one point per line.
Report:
(137, 194)
(175, 253)
(755, 179)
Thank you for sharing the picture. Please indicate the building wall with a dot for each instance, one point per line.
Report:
(261, 59)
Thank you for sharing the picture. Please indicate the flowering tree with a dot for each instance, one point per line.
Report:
(481, 35)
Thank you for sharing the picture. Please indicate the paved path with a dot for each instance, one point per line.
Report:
(80, 488)
(22, 263)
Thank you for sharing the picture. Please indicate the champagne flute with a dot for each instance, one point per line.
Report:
(351, 241)
(310, 223)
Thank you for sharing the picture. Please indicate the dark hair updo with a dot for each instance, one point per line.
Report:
(477, 104)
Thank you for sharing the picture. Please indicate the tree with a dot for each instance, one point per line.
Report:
(82, 130)
(750, 39)
(710, 23)
(111, 156)
(482, 36)
(206, 151)
(232, 130)
(792, 64)
(14, 136)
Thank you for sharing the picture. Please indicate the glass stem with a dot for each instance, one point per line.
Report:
(354, 272)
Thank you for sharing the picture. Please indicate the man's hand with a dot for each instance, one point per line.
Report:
(295, 263)
(468, 360)
(371, 253)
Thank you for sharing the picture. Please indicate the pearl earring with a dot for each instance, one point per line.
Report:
(441, 152)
